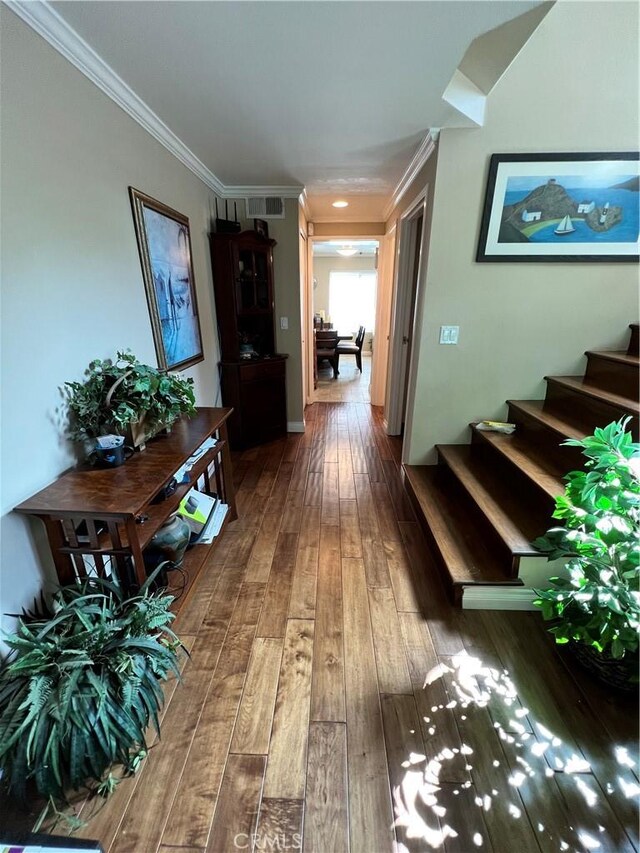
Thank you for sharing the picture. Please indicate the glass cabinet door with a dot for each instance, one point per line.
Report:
(252, 281)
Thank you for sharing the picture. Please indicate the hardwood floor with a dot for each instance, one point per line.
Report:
(351, 386)
(335, 701)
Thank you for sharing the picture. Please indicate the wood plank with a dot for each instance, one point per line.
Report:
(292, 513)
(310, 528)
(330, 495)
(375, 562)
(203, 771)
(487, 761)
(253, 724)
(400, 576)
(236, 815)
(591, 813)
(346, 485)
(370, 812)
(399, 498)
(276, 604)
(443, 743)
(279, 825)
(466, 818)
(264, 547)
(141, 827)
(350, 538)
(190, 617)
(393, 674)
(313, 494)
(300, 469)
(387, 521)
(417, 825)
(286, 765)
(302, 604)
(326, 821)
(327, 694)
(366, 506)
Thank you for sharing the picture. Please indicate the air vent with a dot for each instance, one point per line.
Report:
(265, 207)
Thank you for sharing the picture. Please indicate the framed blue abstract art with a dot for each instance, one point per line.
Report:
(164, 244)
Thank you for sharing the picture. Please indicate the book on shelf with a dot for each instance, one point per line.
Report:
(196, 508)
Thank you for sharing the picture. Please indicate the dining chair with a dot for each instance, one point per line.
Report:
(353, 347)
(327, 348)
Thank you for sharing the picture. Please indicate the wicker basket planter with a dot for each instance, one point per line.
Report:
(621, 674)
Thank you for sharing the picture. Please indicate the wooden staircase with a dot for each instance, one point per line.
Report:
(483, 503)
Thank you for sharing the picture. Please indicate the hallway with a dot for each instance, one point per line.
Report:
(351, 386)
(303, 721)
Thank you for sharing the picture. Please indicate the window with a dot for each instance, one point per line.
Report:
(352, 300)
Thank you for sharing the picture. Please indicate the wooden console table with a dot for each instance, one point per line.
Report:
(117, 508)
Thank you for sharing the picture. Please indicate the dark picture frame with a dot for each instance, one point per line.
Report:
(164, 246)
(261, 227)
(561, 207)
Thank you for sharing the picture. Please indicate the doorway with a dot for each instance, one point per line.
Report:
(411, 268)
(344, 278)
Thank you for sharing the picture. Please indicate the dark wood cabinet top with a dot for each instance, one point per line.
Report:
(128, 489)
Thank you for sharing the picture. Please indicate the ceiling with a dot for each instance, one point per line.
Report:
(333, 96)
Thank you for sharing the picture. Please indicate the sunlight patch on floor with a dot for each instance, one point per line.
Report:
(472, 685)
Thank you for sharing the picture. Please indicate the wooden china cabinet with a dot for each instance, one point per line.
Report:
(252, 373)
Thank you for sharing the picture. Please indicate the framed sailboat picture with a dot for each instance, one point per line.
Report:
(562, 207)
(164, 245)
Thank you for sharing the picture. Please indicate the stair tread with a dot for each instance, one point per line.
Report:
(514, 522)
(535, 409)
(539, 469)
(577, 383)
(617, 356)
(467, 559)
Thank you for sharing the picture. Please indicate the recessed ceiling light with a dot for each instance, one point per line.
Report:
(340, 204)
(347, 251)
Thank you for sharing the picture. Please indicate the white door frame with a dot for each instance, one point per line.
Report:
(345, 238)
(401, 359)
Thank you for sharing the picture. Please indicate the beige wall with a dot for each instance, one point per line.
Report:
(520, 321)
(72, 287)
(348, 229)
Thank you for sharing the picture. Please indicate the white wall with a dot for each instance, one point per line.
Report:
(519, 322)
(72, 286)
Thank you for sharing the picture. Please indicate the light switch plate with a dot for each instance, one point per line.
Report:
(449, 334)
(284, 323)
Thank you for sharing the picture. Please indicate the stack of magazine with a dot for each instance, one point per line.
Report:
(204, 514)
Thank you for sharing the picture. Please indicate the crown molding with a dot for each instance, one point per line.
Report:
(287, 191)
(42, 18)
(425, 150)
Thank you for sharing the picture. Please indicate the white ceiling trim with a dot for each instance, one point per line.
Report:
(425, 150)
(39, 15)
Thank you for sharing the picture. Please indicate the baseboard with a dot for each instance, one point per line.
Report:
(295, 426)
(498, 598)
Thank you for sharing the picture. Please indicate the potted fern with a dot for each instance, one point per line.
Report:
(128, 398)
(596, 609)
(80, 686)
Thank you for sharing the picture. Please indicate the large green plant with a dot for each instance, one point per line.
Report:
(80, 686)
(116, 393)
(598, 603)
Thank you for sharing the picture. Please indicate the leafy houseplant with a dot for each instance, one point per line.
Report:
(117, 394)
(597, 608)
(81, 684)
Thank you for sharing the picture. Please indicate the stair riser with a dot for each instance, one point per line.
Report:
(543, 436)
(583, 411)
(634, 341)
(613, 376)
(542, 505)
(481, 526)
